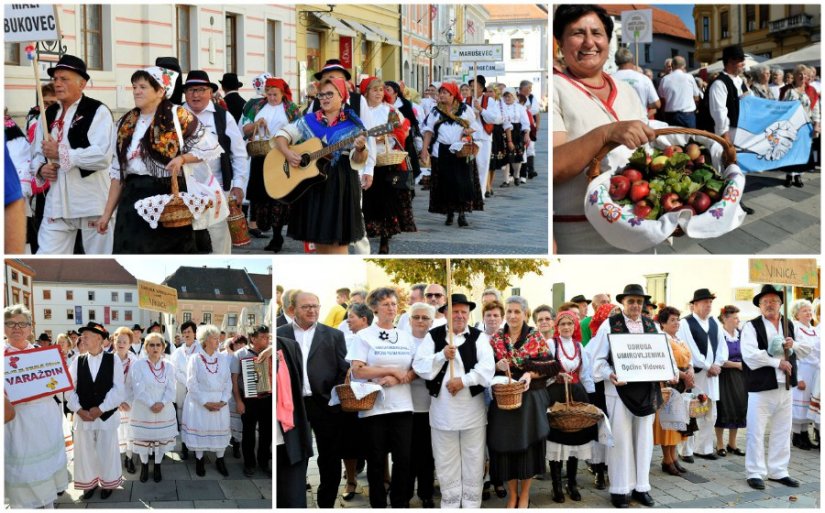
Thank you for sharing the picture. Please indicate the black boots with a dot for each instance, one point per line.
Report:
(144, 472)
(555, 475)
(572, 486)
(236, 448)
(130, 465)
(788, 180)
(277, 241)
(384, 245)
(156, 475)
(598, 480)
(462, 221)
(797, 181)
(531, 170)
(199, 467)
(221, 466)
(184, 451)
(802, 441)
(449, 220)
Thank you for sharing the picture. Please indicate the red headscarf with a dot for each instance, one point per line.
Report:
(365, 85)
(280, 84)
(599, 317)
(340, 84)
(453, 89)
(574, 316)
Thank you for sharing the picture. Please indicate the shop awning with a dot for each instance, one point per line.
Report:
(369, 34)
(335, 24)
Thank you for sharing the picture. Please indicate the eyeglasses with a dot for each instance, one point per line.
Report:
(420, 318)
(325, 96)
(18, 325)
(433, 294)
(310, 307)
(199, 90)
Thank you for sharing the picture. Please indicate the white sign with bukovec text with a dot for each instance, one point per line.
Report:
(25, 23)
(477, 53)
(642, 357)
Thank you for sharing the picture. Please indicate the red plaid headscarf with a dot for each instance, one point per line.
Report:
(600, 316)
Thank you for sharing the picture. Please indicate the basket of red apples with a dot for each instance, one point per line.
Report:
(686, 182)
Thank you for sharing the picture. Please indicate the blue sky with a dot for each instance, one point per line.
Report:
(684, 11)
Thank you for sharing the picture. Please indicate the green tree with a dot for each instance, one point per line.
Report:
(494, 272)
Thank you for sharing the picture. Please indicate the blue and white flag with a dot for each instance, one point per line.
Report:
(771, 134)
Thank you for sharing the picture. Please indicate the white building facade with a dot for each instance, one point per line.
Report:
(524, 38)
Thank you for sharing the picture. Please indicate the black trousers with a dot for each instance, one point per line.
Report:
(290, 486)
(422, 466)
(258, 415)
(389, 433)
(326, 428)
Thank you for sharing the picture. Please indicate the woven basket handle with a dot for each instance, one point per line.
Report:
(566, 390)
(509, 377)
(346, 379)
(265, 133)
(175, 188)
(728, 152)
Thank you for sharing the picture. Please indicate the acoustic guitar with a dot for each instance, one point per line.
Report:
(287, 183)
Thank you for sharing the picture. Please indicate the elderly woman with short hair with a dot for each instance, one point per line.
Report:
(35, 455)
(423, 464)
(761, 87)
(802, 91)
(807, 369)
(205, 425)
(492, 315)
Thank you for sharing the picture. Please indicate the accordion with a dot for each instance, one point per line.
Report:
(257, 377)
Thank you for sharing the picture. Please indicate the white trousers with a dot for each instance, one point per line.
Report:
(772, 410)
(221, 240)
(485, 149)
(702, 441)
(96, 459)
(628, 461)
(530, 151)
(57, 236)
(459, 464)
(598, 453)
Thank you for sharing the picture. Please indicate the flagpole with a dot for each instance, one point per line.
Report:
(33, 56)
(450, 316)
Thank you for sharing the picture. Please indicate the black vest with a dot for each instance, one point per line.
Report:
(467, 350)
(78, 132)
(642, 397)
(704, 121)
(764, 378)
(701, 337)
(92, 393)
(226, 144)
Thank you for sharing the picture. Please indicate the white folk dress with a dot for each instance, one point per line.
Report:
(35, 466)
(123, 437)
(180, 357)
(208, 379)
(153, 432)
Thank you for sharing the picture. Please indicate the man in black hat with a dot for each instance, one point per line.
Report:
(76, 160)
(582, 303)
(43, 340)
(231, 169)
(719, 108)
(630, 406)
(706, 339)
(256, 413)
(487, 113)
(99, 390)
(234, 101)
(765, 340)
(137, 340)
(458, 415)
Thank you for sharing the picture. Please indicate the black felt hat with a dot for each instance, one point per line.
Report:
(71, 63)
(701, 294)
(332, 65)
(230, 81)
(768, 289)
(634, 289)
(198, 77)
(95, 328)
(459, 299)
(581, 299)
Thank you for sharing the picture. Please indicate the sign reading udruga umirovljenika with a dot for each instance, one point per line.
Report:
(36, 373)
(158, 298)
(25, 23)
(800, 272)
(642, 357)
(477, 53)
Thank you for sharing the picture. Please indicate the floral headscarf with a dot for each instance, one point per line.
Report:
(600, 316)
(259, 83)
(165, 77)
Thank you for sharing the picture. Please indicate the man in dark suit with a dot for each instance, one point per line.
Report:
(323, 350)
(234, 101)
(294, 444)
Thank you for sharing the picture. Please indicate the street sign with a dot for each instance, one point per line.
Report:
(25, 23)
(158, 298)
(476, 53)
(637, 26)
(800, 272)
(484, 68)
(743, 294)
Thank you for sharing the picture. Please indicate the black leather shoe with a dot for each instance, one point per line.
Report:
(105, 494)
(184, 451)
(748, 210)
(643, 498)
(599, 479)
(221, 466)
(687, 459)
(347, 496)
(130, 465)
(710, 456)
(756, 483)
(462, 221)
(449, 220)
(88, 494)
(679, 467)
(619, 500)
(787, 481)
(788, 180)
(156, 474)
(236, 449)
(144, 472)
(797, 181)
(275, 244)
(258, 234)
(427, 503)
(737, 451)
(199, 467)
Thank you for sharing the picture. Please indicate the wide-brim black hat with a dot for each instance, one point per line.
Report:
(95, 328)
(733, 52)
(155, 324)
(581, 299)
(649, 303)
(701, 294)
(332, 65)
(768, 289)
(71, 63)
(137, 327)
(198, 77)
(634, 289)
(459, 299)
(230, 81)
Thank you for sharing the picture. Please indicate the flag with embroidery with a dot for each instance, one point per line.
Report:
(771, 134)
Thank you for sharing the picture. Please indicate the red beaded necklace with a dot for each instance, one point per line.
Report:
(585, 84)
(155, 370)
(207, 363)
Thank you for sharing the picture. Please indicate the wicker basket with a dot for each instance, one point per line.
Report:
(259, 147)
(508, 397)
(469, 149)
(176, 214)
(390, 158)
(348, 401)
(571, 416)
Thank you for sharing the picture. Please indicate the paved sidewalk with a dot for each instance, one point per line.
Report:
(708, 484)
